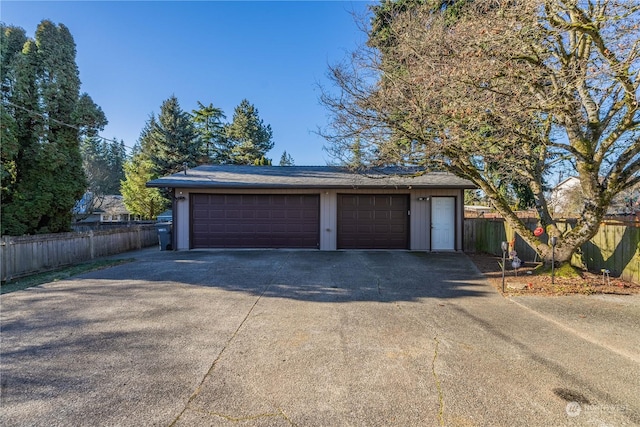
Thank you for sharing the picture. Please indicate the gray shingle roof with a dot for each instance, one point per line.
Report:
(231, 176)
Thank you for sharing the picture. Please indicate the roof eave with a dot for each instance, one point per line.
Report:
(304, 187)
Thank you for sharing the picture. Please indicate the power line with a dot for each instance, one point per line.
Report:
(60, 122)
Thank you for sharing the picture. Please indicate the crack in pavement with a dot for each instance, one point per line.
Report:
(438, 385)
(198, 389)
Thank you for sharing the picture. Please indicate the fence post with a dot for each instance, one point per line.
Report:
(3, 258)
(91, 246)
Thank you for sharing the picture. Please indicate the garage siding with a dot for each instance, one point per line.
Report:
(255, 221)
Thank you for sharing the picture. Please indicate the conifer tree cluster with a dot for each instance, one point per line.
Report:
(175, 140)
(44, 119)
(103, 164)
(52, 152)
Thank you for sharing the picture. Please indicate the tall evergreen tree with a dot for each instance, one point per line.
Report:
(286, 159)
(262, 161)
(20, 134)
(103, 163)
(208, 123)
(166, 145)
(171, 141)
(12, 40)
(88, 117)
(144, 144)
(250, 139)
(48, 120)
(116, 160)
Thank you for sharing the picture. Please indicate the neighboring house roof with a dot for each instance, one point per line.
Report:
(477, 208)
(112, 205)
(567, 184)
(232, 176)
(566, 198)
(92, 204)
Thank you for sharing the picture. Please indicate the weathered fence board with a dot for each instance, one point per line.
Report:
(23, 255)
(615, 247)
(487, 235)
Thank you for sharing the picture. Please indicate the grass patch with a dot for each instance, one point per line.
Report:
(567, 270)
(60, 274)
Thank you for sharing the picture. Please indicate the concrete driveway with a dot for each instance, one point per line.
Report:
(282, 338)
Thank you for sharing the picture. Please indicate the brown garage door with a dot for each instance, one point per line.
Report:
(373, 221)
(255, 221)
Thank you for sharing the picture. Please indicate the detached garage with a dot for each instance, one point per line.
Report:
(315, 207)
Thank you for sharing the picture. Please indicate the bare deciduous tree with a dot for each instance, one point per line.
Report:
(499, 88)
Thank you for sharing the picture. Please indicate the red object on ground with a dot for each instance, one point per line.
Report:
(538, 231)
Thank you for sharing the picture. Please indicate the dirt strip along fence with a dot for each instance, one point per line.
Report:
(24, 255)
(615, 247)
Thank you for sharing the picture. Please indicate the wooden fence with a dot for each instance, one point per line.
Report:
(24, 255)
(615, 247)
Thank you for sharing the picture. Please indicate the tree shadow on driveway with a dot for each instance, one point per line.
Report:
(339, 276)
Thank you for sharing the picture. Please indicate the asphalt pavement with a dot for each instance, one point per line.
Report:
(309, 338)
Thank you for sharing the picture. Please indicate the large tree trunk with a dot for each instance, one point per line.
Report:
(567, 243)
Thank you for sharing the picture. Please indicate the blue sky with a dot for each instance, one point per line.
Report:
(134, 55)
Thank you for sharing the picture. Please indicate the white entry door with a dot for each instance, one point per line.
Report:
(443, 220)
